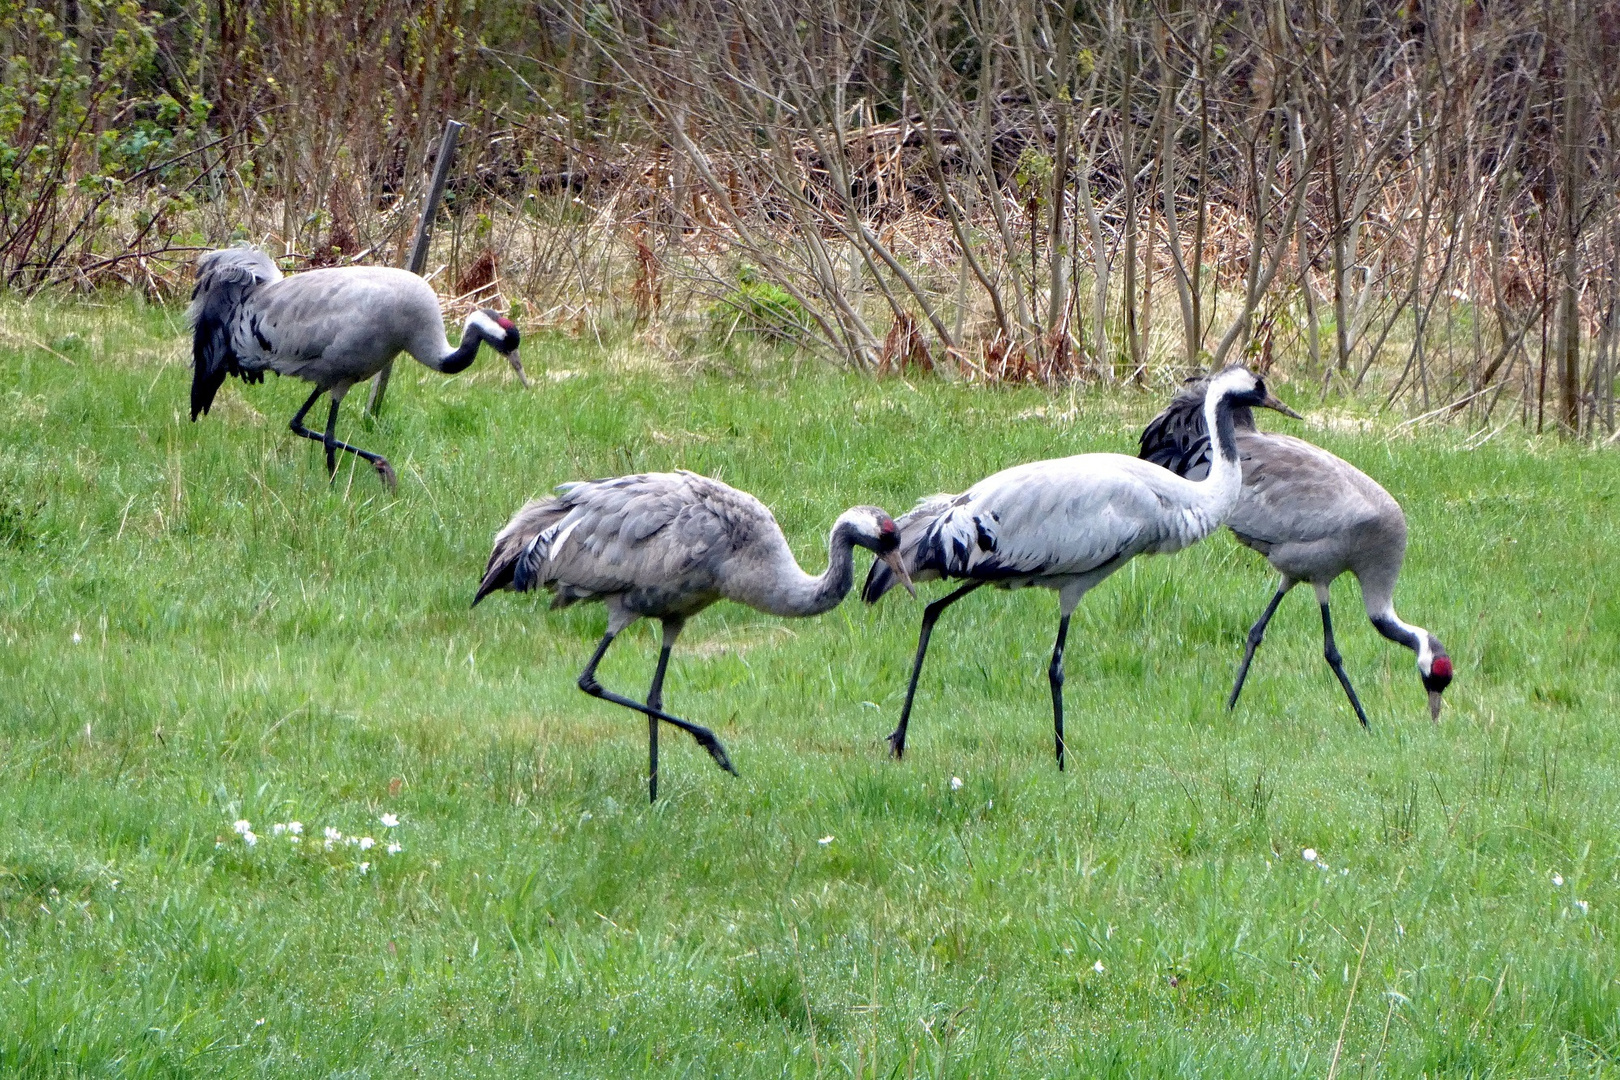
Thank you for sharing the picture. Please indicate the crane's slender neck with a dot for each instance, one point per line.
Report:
(1393, 627)
(462, 356)
(793, 592)
(1225, 480)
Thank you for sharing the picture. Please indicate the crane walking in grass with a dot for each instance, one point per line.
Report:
(665, 546)
(1313, 516)
(1066, 524)
(333, 327)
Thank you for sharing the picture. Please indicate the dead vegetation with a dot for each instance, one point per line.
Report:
(1412, 200)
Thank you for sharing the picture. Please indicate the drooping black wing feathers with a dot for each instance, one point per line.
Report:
(513, 562)
(1178, 439)
(940, 539)
(913, 535)
(879, 580)
(945, 550)
(225, 280)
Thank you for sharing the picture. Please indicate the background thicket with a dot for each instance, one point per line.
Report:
(1413, 199)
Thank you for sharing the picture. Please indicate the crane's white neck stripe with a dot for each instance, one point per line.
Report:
(1404, 633)
(1224, 481)
(488, 326)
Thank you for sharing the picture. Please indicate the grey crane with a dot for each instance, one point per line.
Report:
(333, 327)
(1313, 516)
(665, 546)
(1066, 524)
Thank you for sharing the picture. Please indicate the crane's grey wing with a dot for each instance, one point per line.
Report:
(226, 280)
(1294, 492)
(1057, 518)
(604, 537)
(349, 320)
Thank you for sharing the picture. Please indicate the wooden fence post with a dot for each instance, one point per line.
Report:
(419, 247)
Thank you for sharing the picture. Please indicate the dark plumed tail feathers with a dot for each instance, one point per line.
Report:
(514, 562)
(1177, 438)
(225, 281)
(917, 544)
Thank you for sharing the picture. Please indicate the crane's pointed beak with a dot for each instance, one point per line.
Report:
(1274, 403)
(892, 558)
(517, 365)
(1434, 705)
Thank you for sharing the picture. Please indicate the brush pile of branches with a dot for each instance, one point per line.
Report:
(1417, 198)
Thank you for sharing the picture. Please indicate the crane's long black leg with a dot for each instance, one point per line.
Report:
(329, 440)
(1257, 634)
(931, 613)
(705, 738)
(655, 700)
(1054, 675)
(297, 424)
(1331, 652)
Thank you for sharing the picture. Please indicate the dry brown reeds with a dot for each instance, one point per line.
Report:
(1417, 201)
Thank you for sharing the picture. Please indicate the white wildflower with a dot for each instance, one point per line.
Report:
(956, 783)
(243, 826)
(365, 866)
(1558, 880)
(296, 828)
(389, 820)
(1309, 854)
(1584, 906)
(278, 828)
(365, 843)
(1098, 967)
(825, 840)
(394, 849)
(331, 833)
(250, 838)
(76, 637)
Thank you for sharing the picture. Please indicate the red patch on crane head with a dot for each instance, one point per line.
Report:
(887, 527)
(1441, 666)
(504, 323)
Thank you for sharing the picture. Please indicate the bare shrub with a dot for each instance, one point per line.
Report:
(1413, 201)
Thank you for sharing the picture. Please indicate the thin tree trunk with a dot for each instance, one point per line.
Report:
(1573, 165)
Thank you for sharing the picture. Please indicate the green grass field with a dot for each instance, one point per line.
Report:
(198, 629)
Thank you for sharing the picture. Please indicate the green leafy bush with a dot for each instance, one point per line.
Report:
(760, 307)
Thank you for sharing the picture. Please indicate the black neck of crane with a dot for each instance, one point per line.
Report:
(465, 353)
(1225, 431)
(1395, 632)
